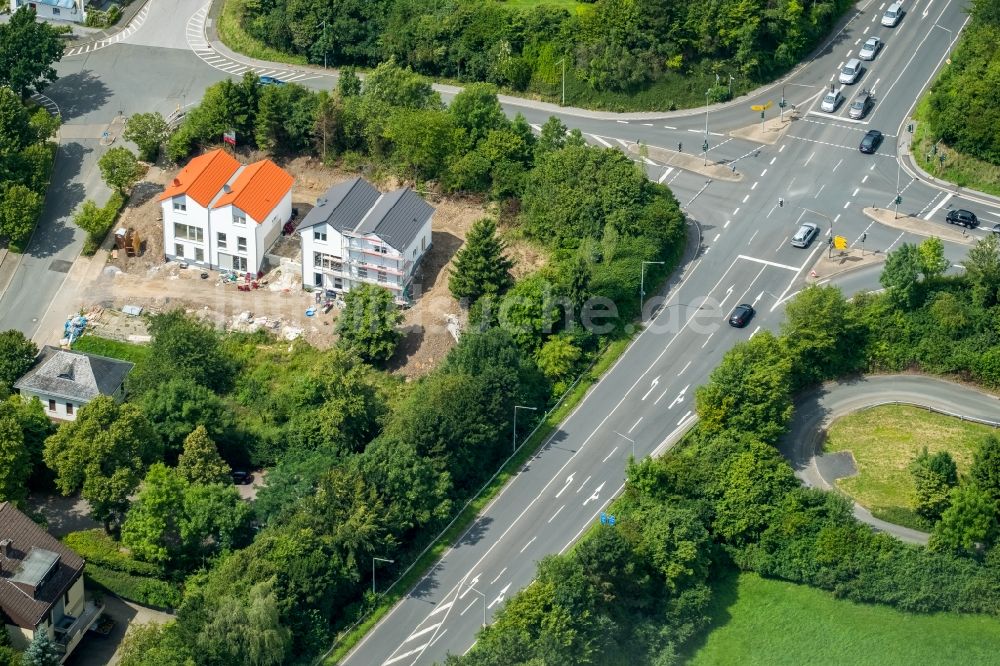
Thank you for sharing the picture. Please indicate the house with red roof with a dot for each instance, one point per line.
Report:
(223, 215)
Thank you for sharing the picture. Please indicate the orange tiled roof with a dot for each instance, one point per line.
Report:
(258, 189)
(203, 177)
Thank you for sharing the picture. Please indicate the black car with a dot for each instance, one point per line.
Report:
(742, 314)
(871, 142)
(964, 217)
(241, 477)
(996, 229)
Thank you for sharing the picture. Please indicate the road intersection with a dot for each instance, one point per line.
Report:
(646, 400)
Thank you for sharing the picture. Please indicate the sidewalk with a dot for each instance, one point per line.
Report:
(84, 272)
(92, 35)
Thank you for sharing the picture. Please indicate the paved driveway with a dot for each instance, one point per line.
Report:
(96, 650)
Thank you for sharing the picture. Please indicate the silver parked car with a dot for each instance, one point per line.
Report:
(892, 15)
(805, 235)
(859, 107)
(831, 101)
(851, 71)
(871, 46)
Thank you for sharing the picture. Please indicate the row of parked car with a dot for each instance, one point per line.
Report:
(853, 68)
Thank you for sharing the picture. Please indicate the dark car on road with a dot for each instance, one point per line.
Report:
(871, 142)
(271, 81)
(996, 229)
(966, 218)
(242, 477)
(742, 314)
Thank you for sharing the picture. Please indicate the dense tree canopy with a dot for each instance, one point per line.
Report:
(28, 49)
(367, 324)
(17, 355)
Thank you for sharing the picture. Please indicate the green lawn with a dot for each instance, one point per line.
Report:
(126, 351)
(958, 168)
(884, 441)
(766, 622)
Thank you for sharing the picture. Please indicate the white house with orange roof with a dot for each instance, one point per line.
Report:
(220, 214)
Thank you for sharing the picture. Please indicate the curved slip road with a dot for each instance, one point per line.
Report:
(817, 409)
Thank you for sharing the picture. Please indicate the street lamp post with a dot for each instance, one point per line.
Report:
(705, 147)
(326, 45)
(380, 559)
(514, 434)
(563, 63)
(642, 284)
(629, 439)
(473, 589)
(898, 198)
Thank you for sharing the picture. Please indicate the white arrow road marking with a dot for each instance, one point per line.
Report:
(680, 396)
(417, 634)
(729, 292)
(569, 480)
(759, 296)
(499, 596)
(652, 386)
(472, 584)
(595, 496)
(442, 607)
(404, 655)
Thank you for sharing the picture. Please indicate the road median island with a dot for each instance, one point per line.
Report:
(694, 163)
(769, 132)
(915, 225)
(841, 262)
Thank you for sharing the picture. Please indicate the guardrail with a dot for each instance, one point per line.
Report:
(936, 410)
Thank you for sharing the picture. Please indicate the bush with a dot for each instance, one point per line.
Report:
(100, 549)
(97, 221)
(98, 19)
(140, 589)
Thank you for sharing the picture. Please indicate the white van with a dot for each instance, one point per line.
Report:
(892, 15)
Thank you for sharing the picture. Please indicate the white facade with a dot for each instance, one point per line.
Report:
(59, 10)
(224, 238)
(338, 262)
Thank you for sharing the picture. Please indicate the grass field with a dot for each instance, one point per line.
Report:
(126, 351)
(884, 441)
(773, 623)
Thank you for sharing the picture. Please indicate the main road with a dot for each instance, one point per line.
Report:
(646, 400)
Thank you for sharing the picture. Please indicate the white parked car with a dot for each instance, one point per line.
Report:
(871, 46)
(831, 101)
(892, 15)
(851, 71)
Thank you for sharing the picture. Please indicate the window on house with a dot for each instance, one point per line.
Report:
(188, 232)
(327, 261)
(241, 244)
(239, 264)
(239, 217)
(381, 276)
(179, 250)
(338, 283)
(180, 205)
(199, 254)
(414, 253)
(423, 243)
(52, 405)
(362, 273)
(66, 599)
(69, 408)
(382, 248)
(319, 235)
(55, 11)
(318, 279)
(221, 238)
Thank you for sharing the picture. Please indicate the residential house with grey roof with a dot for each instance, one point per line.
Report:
(357, 235)
(41, 585)
(65, 380)
(59, 10)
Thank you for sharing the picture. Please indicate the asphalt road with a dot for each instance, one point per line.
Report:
(817, 409)
(647, 397)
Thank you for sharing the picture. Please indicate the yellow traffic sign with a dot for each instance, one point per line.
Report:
(762, 107)
(839, 243)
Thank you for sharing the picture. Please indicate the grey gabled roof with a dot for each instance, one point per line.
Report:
(28, 545)
(73, 375)
(343, 206)
(397, 218)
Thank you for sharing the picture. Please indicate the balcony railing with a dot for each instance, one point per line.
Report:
(68, 638)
